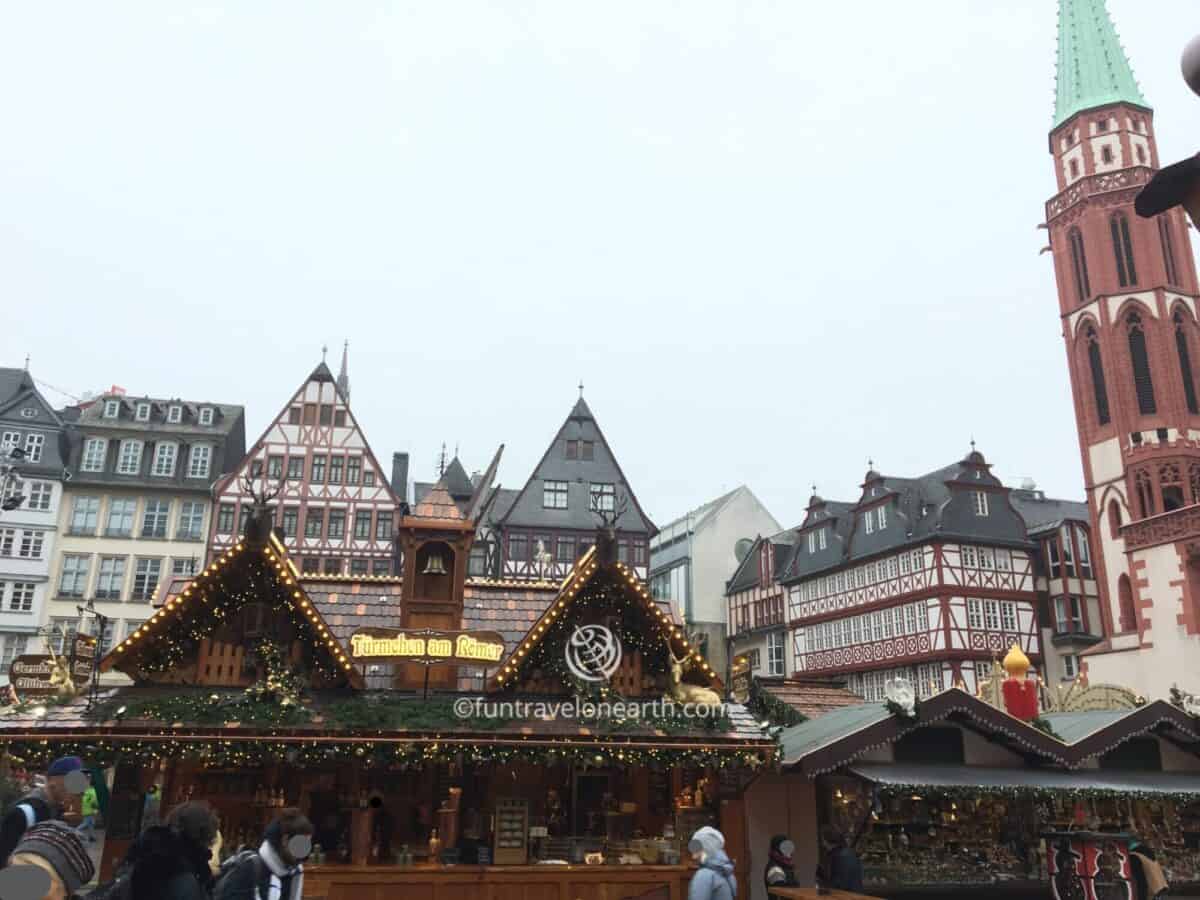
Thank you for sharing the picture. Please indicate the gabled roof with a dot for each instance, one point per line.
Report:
(457, 481)
(1042, 513)
(527, 510)
(589, 569)
(811, 697)
(1092, 67)
(207, 601)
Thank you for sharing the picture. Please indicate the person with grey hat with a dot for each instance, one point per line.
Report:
(54, 848)
(39, 805)
(714, 880)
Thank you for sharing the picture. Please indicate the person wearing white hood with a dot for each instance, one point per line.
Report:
(714, 880)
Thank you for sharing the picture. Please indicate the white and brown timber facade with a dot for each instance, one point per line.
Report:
(335, 509)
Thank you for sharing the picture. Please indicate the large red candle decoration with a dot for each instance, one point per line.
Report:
(1020, 693)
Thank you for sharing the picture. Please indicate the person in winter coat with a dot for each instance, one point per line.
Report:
(779, 871)
(1148, 878)
(275, 871)
(714, 880)
(841, 869)
(171, 861)
(89, 807)
(39, 805)
(55, 849)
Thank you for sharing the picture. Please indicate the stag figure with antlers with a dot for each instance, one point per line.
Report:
(261, 519)
(681, 692)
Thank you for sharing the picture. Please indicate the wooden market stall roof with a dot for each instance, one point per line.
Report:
(811, 697)
(251, 571)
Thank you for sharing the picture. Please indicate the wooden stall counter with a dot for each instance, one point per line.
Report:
(544, 882)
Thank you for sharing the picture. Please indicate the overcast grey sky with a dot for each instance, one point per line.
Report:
(773, 238)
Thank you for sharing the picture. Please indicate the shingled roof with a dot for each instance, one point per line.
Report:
(811, 697)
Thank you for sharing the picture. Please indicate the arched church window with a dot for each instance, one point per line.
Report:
(1114, 518)
(1099, 387)
(1125, 607)
(1185, 362)
(1168, 249)
(1142, 381)
(1144, 489)
(1123, 249)
(1083, 289)
(1170, 482)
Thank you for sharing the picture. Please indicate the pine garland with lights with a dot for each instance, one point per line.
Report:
(1044, 726)
(765, 704)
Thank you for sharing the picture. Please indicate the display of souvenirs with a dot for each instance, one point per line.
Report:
(512, 832)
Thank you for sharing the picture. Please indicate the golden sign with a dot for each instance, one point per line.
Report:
(427, 646)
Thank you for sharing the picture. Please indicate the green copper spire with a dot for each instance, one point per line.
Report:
(1092, 68)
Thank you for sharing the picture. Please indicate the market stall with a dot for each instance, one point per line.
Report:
(252, 695)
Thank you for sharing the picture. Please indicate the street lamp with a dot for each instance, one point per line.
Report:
(1178, 184)
(10, 479)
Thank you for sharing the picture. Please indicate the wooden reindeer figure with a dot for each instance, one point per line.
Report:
(259, 525)
(688, 693)
(606, 532)
(60, 675)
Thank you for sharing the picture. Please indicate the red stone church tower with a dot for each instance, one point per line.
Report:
(1127, 296)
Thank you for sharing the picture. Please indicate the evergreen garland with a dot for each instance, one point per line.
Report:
(766, 705)
(1045, 727)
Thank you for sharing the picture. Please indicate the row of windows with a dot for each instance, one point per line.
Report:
(323, 469)
(860, 576)
(926, 680)
(319, 522)
(143, 411)
(17, 596)
(991, 615)
(1068, 615)
(75, 575)
(122, 518)
(37, 493)
(24, 544)
(1122, 250)
(566, 549)
(998, 558)
(34, 444)
(1060, 553)
(1143, 380)
(601, 497)
(671, 585)
(317, 414)
(130, 457)
(758, 613)
(332, 565)
(908, 618)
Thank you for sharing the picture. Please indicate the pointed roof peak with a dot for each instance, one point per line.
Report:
(321, 373)
(457, 481)
(1092, 68)
(581, 410)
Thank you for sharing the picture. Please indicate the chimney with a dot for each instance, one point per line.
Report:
(400, 475)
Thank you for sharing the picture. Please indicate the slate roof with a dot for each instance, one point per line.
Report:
(746, 575)
(19, 393)
(1042, 513)
(457, 481)
(350, 604)
(527, 510)
(811, 697)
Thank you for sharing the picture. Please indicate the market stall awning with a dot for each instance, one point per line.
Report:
(914, 775)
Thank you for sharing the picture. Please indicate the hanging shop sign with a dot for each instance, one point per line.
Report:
(426, 646)
(38, 675)
(739, 682)
(83, 659)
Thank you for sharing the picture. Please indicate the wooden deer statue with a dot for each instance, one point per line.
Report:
(261, 520)
(606, 533)
(688, 693)
(60, 675)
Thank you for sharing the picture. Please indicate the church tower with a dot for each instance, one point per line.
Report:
(1127, 296)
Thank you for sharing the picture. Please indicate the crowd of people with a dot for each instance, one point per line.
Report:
(176, 858)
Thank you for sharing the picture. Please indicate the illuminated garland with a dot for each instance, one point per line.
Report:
(1044, 726)
(765, 704)
(1038, 792)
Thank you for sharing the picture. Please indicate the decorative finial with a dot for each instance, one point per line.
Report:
(972, 443)
(870, 463)
(26, 362)
(442, 461)
(580, 388)
(324, 350)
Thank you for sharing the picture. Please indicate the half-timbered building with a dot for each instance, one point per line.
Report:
(334, 505)
(535, 533)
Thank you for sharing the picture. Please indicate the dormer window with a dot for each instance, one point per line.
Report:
(29, 412)
(206, 416)
(869, 522)
(812, 542)
(174, 414)
(143, 412)
(112, 409)
(821, 538)
(881, 518)
(981, 503)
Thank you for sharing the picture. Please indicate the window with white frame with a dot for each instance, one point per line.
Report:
(206, 415)
(981, 503)
(986, 559)
(812, 542)
(754, 657)
(164, 459)
(821, 539)
(154, 518)
(145, 578)
(969, 559)
(881, 518)
(1070, 666)
(1053, 562)
(888, 630)
(910, 619)
(554, 495)
(602, 497)
(93, 455)
(84, 514)
(72, 581)
(775, 645)
(1068, 615)
(22, 597)
(112, 409)
(31, 544)
(1085, 552)
(200, 461)
(991, 614)
(974, 614)
(143, 412)
(120, 517)
(1008, 615)
(1068, 552)
(856, 630)
(10, 441)
(11, 646)
(104, 640)
(191, 520)
(111, 580)
(183, 567)
(39, 495)
(129, 462)
(869, 522)
(1004, 560)
(62, 634)
(35, 441)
